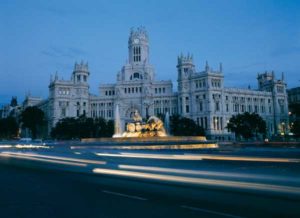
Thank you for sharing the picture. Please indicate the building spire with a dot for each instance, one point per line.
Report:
(56, 76)
(206, 66)
(221, 68)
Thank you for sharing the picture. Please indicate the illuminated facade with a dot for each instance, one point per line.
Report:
(201, 95)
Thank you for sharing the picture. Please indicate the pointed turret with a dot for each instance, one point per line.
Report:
(206, 66)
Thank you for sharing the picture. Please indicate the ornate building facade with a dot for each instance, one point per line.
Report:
(201, 95)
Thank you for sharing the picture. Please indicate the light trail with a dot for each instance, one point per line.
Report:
(150, 156)
(199, 181)
(255, 159)
(31, 146)
(43, 160)
(57, 158)
(200, 157)
(205, 173)
(5, 146)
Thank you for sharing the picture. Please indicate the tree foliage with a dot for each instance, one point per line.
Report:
(32, 118)
(8, 128)
(182, 126)
(295, 128)
(294, 108)
(247, 125)
(82, 127)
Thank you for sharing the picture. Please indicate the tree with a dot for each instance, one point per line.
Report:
(82, 127)
(32, 118)
(8, 127)
(295, 128)
(294, 118)
(247, 125)
(182, 126)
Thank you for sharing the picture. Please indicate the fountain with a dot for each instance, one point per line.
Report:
(154, 127)
(118, 130)
(152, 134)
(167, 123)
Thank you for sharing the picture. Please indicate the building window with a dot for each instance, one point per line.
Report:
(137, 54)
(249, 108)
(187, 109)
(282, 109)
(84, 78)
(227, 108)
(63, 112)
(242, 108)
(78, 78)
(201, 106)
(217, 106)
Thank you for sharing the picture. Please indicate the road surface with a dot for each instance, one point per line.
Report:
(92, 182)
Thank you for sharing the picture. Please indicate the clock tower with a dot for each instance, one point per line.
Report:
(138, 46)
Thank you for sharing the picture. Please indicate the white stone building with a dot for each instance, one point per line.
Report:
(201, 95)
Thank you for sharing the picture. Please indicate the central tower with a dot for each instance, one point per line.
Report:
(138, 46)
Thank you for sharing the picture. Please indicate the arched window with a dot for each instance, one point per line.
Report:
(136, 76)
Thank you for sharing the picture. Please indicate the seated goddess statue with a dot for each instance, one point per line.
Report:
(136, 116)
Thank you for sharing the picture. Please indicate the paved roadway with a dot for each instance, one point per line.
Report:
(89, 182)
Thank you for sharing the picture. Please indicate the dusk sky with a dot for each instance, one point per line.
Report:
(39, 38)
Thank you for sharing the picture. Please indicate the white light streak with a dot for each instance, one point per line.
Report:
(5, 146)
(43, 160)
(200, 157)
(198, 181)
(57, 158)
(205, 173)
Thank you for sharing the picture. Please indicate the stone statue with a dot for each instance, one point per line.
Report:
(154, 127)
(136, 116)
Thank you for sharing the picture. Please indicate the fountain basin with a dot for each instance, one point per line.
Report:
(167, 142)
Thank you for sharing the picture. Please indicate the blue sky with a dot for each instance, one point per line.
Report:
(38, 38)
